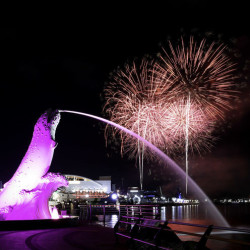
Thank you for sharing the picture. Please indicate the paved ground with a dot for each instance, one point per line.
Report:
(81, 237)
(89, 237)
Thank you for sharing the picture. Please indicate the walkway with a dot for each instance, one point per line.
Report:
(81, 237)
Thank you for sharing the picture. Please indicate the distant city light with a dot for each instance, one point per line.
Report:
(54, 213)
(114, 196)
(74, 182)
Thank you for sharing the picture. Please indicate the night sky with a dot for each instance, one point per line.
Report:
(63, 64)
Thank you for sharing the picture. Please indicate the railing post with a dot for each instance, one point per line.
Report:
(203, 240)
(81, 214)
(116, 228)
(103, 215)
(133, 232)
(87, 212)
(157, 212)
(90, 212)
(119, 210)
(157, 237)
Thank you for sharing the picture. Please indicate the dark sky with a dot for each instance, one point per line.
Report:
(63, 63)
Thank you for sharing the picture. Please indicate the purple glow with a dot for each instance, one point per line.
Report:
(193, 186)
(25, 196)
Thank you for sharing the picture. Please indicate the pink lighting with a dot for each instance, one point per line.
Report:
(25, 196)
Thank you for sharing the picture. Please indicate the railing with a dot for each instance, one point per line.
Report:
(131, 215)
(88, 212)
(158, 233)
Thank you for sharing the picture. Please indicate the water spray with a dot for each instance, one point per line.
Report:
(169, 161)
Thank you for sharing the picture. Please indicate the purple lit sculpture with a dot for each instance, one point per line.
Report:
(25, 196)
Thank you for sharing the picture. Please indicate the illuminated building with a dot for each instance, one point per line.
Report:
(83, 188)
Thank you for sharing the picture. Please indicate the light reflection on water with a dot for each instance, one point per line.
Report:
(187, 213)
(110, 220)
(237, 216)
(163, 213)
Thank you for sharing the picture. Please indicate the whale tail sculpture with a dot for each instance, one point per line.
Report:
(25, 196)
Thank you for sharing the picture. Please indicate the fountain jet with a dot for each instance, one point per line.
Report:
(212, 210)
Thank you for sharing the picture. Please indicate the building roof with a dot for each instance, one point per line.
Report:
(70, 177)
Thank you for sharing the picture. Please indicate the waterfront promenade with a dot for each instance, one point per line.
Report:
(80, 237)
(89, 237)
(97, 230)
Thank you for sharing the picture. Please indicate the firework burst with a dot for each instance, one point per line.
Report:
(202, 75)
(200, 128)
(201, 71)
(134, 100)
(173, 104)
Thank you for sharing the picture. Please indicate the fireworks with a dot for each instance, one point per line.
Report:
(174, 103)
(200, 128)
(134, 100)
(203, 72)
(200, 75)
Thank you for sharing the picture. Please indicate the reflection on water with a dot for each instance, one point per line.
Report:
(163, 213)
(186, 212)
(110, 220)
(237, 216)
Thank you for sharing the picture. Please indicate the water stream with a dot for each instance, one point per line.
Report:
(214, 213)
